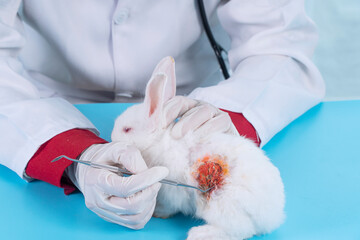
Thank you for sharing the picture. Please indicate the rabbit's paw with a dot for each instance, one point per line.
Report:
(207, 232)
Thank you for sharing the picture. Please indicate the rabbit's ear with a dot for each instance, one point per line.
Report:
(167, 66)
(160, 88)
(154, 96)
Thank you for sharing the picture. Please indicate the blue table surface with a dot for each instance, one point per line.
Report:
(317, 154)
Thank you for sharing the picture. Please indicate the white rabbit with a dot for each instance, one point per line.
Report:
(248, 198)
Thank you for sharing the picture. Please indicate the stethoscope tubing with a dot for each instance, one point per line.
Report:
(215, 46)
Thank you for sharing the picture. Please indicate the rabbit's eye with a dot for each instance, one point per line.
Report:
(127, 129)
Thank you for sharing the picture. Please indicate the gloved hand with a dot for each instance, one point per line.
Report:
(199, 117)
(127, 201)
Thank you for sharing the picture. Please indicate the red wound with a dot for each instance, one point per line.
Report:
(210, 172)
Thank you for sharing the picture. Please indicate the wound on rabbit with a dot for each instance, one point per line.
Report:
(210, 172)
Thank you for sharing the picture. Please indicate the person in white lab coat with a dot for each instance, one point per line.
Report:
(57, 53)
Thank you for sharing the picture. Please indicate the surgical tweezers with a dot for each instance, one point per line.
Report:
(126, 173)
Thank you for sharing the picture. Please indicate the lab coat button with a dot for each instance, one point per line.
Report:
(121, 16)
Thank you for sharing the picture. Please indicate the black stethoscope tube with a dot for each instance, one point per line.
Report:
(215, 46)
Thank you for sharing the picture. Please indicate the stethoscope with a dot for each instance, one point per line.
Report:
(218, 50)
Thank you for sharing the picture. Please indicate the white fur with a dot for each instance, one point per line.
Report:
(251, 201)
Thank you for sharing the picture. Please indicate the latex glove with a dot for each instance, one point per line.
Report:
(127, 201)
(199, 117)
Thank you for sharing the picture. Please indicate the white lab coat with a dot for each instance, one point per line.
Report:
(53, 52)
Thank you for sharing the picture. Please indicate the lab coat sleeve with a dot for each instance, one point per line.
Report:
(274, 80)
(26, 119)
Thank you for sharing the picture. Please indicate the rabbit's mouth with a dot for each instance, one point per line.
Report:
(210, 172)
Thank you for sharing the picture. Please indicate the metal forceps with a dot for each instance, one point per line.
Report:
(126, 173)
